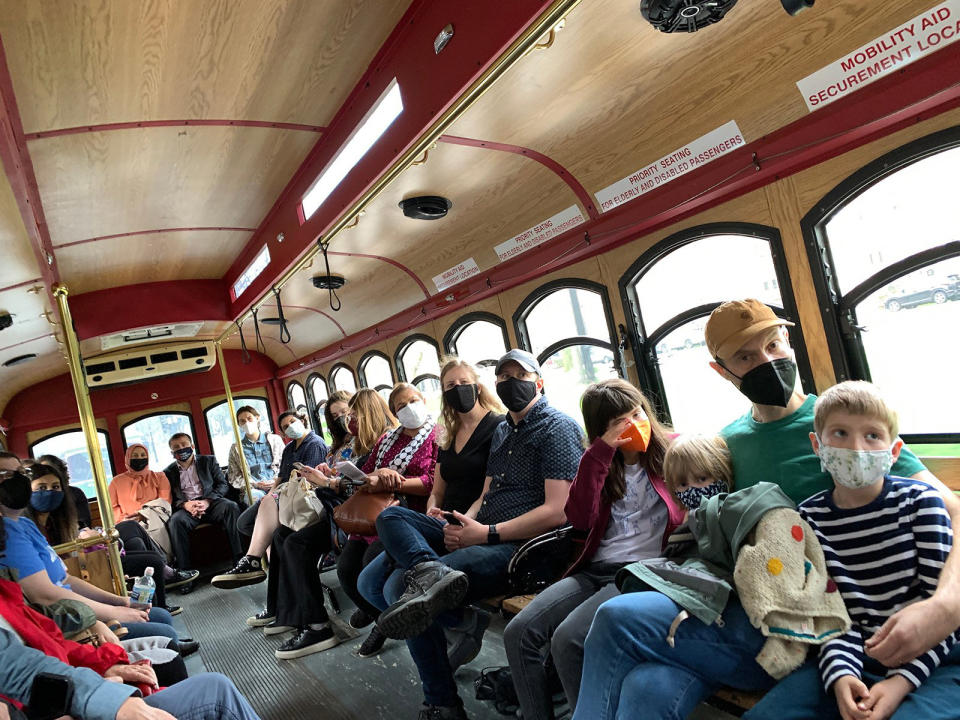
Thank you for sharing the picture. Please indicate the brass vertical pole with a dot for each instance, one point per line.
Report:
(233, 421)
(89, 426)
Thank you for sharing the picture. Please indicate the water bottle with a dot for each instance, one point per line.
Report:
(144, 587)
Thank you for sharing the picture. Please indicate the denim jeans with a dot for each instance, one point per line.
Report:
(209, 696)
(628, 664)
(801, 694)
(379, 580)
(555, 624)
(411, 538)
(160, 625)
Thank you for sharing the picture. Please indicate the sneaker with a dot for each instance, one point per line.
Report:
(360, 619)
(443, 712)
(247, 572)
(264, 617)
(174, 609)
(306, 642)
(373, 644)
(182, 577)
(430, 588)
(273, 629)
(464, 642)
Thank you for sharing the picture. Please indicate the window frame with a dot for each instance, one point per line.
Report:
(188, 415)
(643, 345)
(111, 471)
(838, 310)
(313, 407)
(533, 299)
(454, 332)
(306, 399)
(362, 373)
(331, 385)
(403, 347)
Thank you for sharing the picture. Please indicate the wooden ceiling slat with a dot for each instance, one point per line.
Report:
(83, 62)
(118, 182)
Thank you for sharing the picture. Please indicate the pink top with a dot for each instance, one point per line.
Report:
(421, 466)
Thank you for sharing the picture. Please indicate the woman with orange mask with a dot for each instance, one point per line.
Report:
(620, 502)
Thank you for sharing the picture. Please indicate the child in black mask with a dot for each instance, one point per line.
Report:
(697, 467)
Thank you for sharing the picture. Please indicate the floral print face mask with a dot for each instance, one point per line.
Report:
(855, 469)
(693, 496)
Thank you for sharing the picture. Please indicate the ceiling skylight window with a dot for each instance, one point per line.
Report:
(388, 106)
(253, 271)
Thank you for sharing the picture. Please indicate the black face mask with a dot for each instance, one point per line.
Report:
(183, 454)
(771, 383)
(15, 491)
(461, 398)
(343, 422)
(138, 464)
(516, 393)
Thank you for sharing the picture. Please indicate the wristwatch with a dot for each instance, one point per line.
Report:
(493, 537)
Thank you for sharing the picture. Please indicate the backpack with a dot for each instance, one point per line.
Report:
(496, 684)
(541, 561)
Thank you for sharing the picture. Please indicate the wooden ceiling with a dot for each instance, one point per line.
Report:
(609, 96)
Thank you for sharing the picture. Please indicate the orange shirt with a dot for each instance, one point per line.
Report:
(129, 491)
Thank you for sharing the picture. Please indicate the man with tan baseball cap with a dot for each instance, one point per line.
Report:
(750, 347)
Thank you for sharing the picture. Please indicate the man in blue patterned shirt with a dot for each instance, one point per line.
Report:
(533, 458)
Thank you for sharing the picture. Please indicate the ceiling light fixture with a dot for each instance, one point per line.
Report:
(384, 111)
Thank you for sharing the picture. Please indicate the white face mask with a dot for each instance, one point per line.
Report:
(855, 469)
(251, 428)
(413, 415)
(295, 430)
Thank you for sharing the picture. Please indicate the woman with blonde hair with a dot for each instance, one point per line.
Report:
(470, 413)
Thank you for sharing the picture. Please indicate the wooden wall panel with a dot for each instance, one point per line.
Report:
(83, 62)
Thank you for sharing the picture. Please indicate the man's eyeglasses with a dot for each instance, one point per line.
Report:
(27, 472)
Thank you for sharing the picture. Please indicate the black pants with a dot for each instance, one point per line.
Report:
(245, 523)
(355, 557)
(138, 555)
(221, 512)
(294, 590)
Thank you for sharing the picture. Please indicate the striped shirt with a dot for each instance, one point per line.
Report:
(882, 556)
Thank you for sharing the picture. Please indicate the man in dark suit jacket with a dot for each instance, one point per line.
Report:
(199, 494)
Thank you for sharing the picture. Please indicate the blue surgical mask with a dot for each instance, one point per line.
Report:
(295, 430)
(693, 496)
(46, 500)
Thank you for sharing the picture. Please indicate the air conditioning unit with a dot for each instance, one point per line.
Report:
(157, 332)
(146, 363)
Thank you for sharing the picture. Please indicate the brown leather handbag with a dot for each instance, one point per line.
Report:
(358, 515)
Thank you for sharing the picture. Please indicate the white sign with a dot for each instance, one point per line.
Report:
(924, 34)
(559, 223)
(448, 278)
(701, 151)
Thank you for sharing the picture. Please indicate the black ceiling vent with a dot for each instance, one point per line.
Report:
(425, 207)
(19, 359)
(672, 16)
(329, 281)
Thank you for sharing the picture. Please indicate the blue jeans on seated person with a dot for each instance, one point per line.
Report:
(209, 696)
(800, 695)
(160, 625)
(411, 538)
(629, 669)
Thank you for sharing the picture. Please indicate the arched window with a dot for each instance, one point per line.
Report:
(317, 395)
(341, 378)
(297, 400)
(220, 424)
(479, 338)
(154, 431)
(375, 372)
(670, 291)
(418, 363)
(567, 325)
(71, 447)
(884, 247)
